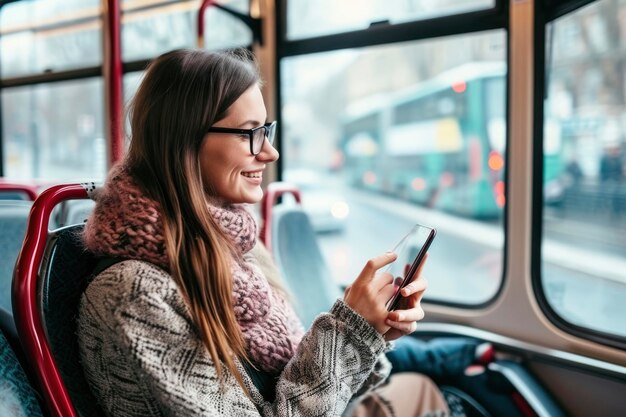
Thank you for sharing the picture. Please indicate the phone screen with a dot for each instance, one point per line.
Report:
(411, 251)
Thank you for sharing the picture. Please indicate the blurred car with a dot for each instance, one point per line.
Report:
(327, 210)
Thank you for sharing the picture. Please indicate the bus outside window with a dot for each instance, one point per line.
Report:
(420, 129)
(436, 146)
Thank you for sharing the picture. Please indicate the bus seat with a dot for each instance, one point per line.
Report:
(17, 396)
(14, 195)
(52, 271)
(526, 391)
(13, 218)
(74, 212)
(302, 267)
(298, 257)
(17, 191)
(7, 325)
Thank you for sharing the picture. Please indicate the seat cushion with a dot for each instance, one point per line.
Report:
(17, 397)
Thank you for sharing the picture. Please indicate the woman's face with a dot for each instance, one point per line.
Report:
(228, 168)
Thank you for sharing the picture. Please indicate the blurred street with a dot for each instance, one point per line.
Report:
(465, 262)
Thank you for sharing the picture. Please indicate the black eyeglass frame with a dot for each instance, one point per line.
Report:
(269, 127)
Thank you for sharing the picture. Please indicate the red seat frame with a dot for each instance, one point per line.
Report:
(30, 190)
(273, 192)
(26, 309)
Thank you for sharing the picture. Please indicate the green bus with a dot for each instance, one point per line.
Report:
(440, 144)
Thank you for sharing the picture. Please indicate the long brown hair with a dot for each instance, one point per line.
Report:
(183, 93)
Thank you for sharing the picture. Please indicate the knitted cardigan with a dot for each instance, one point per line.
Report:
(142, 357)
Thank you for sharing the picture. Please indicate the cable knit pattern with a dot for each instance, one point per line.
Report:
(127, 224)
(141, 356)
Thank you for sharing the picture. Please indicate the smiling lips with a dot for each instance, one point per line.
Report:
(253, 174)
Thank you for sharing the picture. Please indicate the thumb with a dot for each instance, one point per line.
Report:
(373, 265)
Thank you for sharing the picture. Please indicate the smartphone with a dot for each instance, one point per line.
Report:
(411, 251)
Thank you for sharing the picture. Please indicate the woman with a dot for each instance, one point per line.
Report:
(188, 323)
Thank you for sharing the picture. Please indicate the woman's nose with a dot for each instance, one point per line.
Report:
(268, 152)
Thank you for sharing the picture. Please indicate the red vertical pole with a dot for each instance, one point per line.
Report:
(203, 6)
(112, 68)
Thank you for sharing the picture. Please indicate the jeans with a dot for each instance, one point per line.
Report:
(438, 358)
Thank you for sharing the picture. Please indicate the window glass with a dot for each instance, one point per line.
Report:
(308, 18)
(131, 84)
(54, 131)
(389, 136)
(584, 216)
(151, 29)
(41, 35)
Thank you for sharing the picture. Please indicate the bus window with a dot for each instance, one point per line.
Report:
(583, 257)
(162, 26)
(307, 18)
(401, 133)
(54, 131)
(131, 84)
(40, 35)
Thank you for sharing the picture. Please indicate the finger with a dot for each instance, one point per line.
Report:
(381, 280)
(415, 287)
(388, 291)
(369, 271)
(407, 303)
(397, 281)
(404, 327)
(412, 314)
(391, 336)
(418, 272)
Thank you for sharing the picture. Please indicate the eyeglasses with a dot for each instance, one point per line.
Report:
(257, 135)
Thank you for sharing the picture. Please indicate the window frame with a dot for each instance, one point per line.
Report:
(551, 10)
(493, 18)
(47, 77)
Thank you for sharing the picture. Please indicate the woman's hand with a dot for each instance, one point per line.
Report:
(403, 320)
(370, 292)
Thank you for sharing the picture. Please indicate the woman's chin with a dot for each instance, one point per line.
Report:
(255, 197)
(249, 196)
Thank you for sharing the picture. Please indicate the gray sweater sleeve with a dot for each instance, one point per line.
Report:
(142, 356)
(334, 360)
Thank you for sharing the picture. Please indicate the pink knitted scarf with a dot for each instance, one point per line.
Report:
(127, 224)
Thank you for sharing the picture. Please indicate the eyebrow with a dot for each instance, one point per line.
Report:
(253, 122)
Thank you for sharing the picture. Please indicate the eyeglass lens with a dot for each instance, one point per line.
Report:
(258, 138)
